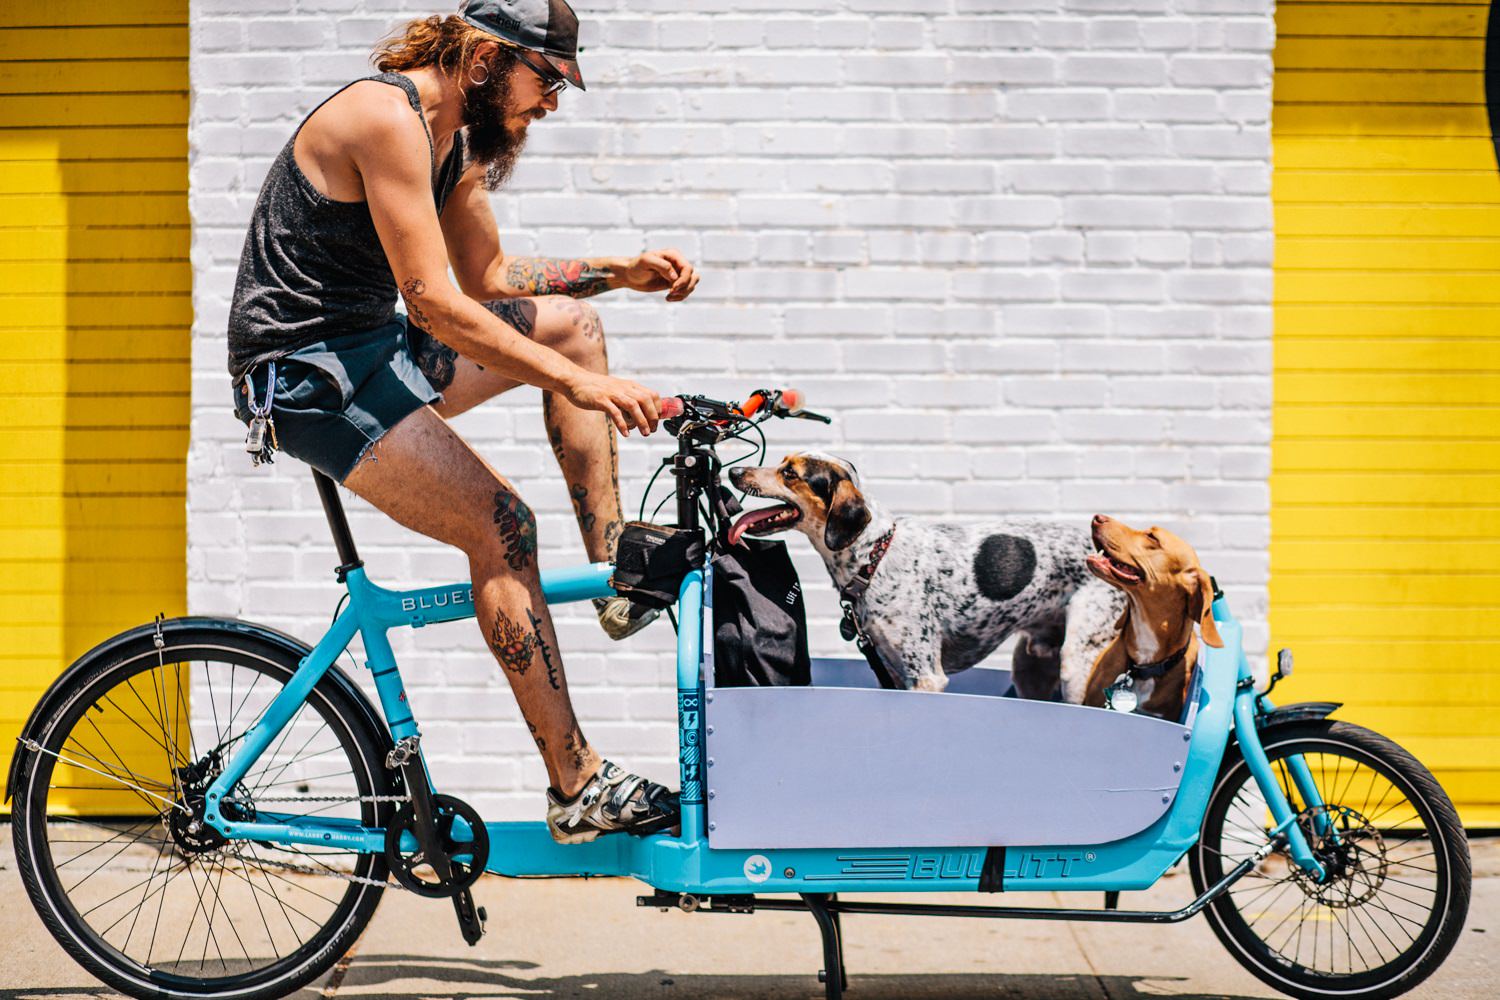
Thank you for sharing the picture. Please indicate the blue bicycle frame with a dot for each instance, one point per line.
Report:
(687, 863)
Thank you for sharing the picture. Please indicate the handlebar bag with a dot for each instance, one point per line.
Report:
(652, 559)
(760, 622)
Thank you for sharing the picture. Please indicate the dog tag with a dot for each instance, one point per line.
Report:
(847, 629)
(1123, 699)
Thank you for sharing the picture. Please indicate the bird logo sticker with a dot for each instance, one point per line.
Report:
(757, 868)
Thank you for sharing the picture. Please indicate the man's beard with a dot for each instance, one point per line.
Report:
(490, 141)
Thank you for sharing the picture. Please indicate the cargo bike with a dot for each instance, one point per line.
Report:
(210, 808)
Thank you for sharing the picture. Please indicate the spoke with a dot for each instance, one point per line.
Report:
(141, 793)
(121, 762)
(145, 895)
(104, 864)
(97, 844)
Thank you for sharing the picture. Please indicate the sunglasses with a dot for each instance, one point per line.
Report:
(552, 81)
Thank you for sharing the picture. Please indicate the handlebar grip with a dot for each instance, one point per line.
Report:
(791, 400)
(669, 407)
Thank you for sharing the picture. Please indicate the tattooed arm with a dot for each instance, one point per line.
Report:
(390, 153)
(485, 272)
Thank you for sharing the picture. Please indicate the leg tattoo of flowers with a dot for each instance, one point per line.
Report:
(517, 529)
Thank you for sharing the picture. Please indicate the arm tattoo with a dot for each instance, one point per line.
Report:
(557, 276)
(553, 677)
(517, 528)
(411, 290)
(519, 313)
(513, 643)
(541, 744)
(436, 359)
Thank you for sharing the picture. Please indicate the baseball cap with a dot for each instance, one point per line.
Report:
(548, 27)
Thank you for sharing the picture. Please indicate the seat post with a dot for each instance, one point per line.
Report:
(338, 523)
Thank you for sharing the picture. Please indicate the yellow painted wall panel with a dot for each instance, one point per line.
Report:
(97, 143)
(1392, 354)
(128, 208)
(1396, 487)
(1390, 556)
(95, 309)
(1390, 187)
(1392, 21)
(1386, 220)
(1373, 456)
(42, 110)
(1377, 53)
(93, 176)
(1366, 320)
(1376, 153)
(87, 12)
(1394, 87)
(116, 311)
(82, 41)
(150, 242)
(1293, 420)
(1385, 484)
(1372, 254)
(1323, 520)
(1457, 389)
(72, 76)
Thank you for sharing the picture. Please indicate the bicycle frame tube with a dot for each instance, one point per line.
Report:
(372, 612)
(1248, 736)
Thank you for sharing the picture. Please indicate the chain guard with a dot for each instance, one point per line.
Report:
(413, 870)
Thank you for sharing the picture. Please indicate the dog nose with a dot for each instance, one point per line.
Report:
(1100, 519)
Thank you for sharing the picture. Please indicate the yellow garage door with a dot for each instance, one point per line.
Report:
(94, 317)
(1385, 518)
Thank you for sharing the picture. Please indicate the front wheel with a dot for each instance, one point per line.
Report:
(1398, 874)
(108, 804)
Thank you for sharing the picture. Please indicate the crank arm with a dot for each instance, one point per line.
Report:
(471, 918)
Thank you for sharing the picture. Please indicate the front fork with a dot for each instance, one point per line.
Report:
(1248, 735)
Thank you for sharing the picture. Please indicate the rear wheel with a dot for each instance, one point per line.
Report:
(107, 825)
(1397, 860)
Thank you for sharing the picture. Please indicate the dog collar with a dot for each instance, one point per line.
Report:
(1150, 671)
(856, 587)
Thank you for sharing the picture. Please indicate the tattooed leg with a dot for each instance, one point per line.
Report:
(431, 481)
(584, 442)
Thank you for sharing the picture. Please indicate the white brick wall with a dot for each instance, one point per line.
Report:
(1020, 248)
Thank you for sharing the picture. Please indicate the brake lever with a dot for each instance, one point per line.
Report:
(809, 415)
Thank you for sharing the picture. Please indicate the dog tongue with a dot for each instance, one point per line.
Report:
(749, 519)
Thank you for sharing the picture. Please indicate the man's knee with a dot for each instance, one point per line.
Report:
(578, 331)
(513, 531)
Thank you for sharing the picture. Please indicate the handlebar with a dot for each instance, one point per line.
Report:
(765, 402)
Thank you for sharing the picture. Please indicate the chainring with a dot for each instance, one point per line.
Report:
(466, 858)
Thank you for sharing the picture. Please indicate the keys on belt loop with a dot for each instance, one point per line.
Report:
(262, 424)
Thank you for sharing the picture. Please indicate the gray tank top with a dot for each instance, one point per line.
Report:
(313, 268)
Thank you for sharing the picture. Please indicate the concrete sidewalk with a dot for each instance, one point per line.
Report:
(571, 938)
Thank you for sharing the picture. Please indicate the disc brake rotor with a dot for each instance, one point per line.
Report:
(1351, 851)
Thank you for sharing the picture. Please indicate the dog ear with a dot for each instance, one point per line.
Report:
(847, 516)
(1200, 607)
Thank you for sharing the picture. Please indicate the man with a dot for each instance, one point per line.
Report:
(382, 188)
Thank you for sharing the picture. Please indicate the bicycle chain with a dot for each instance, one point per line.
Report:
(325, 873)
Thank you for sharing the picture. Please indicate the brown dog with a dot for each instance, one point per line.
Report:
(1167, 591)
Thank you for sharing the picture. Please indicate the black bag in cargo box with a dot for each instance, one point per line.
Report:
(760, 621)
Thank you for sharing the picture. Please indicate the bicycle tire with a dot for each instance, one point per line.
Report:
(118, 668)
(1364, 865)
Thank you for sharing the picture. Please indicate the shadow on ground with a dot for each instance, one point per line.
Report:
(402, 977)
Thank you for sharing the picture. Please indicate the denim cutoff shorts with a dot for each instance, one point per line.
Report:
(334, 399)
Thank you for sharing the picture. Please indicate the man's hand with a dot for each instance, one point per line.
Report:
(656, 270)
(627, 404)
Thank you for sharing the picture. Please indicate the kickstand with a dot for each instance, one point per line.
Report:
(833, 976)
(470, 918)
